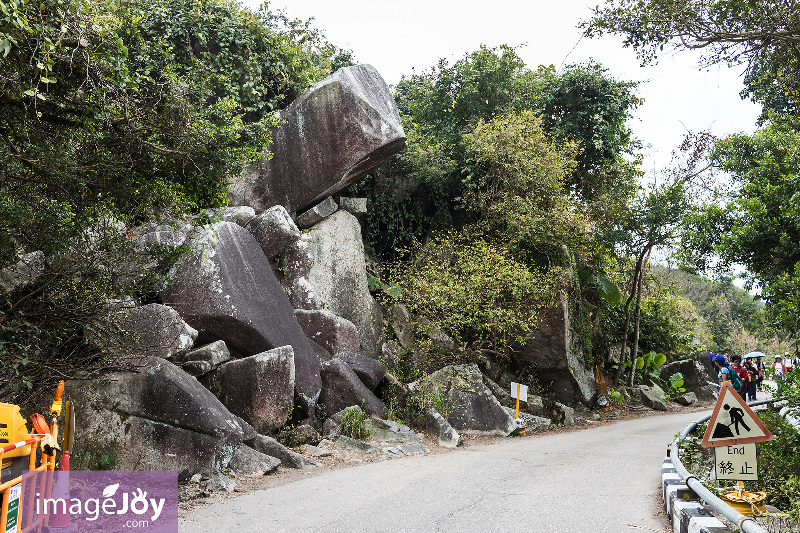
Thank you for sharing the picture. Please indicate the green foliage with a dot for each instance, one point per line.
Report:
(779, 465)
(438, 182)
(756, 225)
(354, 424)
(474, 291)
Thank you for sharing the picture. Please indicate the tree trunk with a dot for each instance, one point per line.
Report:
(637, 314)
(636, 273)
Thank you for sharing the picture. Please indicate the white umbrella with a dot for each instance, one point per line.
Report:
(754, 354)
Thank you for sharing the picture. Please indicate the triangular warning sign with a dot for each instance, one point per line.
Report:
(733, 422)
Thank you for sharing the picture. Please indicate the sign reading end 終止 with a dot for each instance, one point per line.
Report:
(736, 462)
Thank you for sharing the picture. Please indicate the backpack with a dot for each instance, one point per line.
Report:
(736, 379)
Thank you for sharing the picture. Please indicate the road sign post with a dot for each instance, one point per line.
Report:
(733, 431)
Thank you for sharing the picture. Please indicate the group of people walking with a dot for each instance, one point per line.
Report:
(746, 377)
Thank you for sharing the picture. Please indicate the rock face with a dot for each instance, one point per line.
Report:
(341, 388)
(339, 277)
(473, 408)
(334, 333)
(226, 289)
(157, 330)
(333, 134)
(259, 388)
(159, 418)
(695, 377)
(558, 358)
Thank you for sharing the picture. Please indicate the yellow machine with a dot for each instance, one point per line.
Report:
(18, 477)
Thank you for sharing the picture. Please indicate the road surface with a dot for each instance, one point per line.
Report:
(605, 479)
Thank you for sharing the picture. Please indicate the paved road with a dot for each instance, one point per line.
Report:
(592, 481)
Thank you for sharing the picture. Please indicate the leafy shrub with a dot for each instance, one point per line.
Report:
(475, 291)
(354, 424)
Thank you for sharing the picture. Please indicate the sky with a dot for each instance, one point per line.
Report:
(398, 37)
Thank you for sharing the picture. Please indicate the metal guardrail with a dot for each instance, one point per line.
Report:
(743, 522)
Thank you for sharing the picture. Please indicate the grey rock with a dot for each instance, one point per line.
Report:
(271, 447)
(557, 356)
(334, 333)
(332, 135)
(226, 289)
(158, 418)
(248, 462)
(259, 388)
(214, 353)
(318, 213)
(26, 271)
(196, 368)
(249, 432)
(153, 330)
(533, 422)
(687, 398)
(652, 399)
(314, 451)
(220, 482)
(695, 377)
(474, 409)
(389, 431)
(342, 388)
(347, 443)
(369, 371)
(274, 230)
(441, 430)
(355, 206)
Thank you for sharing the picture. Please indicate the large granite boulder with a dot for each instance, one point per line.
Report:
(152, 330)
(158, 418)
(273, 448)
(557, 357)
(274, 230)
(332, 135)
(226, 289)
(695, 377)
(473, 408)
(259, 388)
(338, 275)
(334, 333)
(342, 388)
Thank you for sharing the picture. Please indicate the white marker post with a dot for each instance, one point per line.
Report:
(520, 392)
